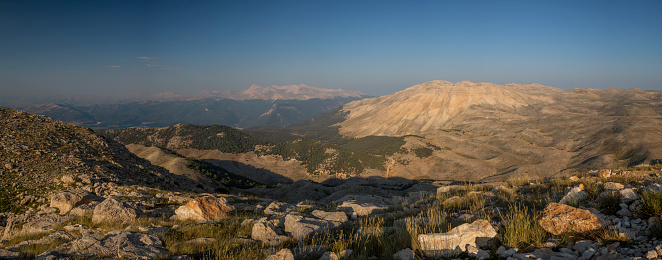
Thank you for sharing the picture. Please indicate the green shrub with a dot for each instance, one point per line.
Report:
(651, 204)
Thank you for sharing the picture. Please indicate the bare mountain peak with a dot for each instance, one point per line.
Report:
(435, 104)
(298, 92)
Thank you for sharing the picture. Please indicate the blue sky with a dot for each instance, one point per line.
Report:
(378, 47)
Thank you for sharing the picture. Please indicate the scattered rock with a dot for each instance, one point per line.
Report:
(111, 210)
(559, 218)
(604, 173)
(455, 241)
(204, 209)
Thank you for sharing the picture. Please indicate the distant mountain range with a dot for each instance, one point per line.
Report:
(257, 106)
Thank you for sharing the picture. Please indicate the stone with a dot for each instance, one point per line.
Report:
(628, 195)
(575, 194)
(477, 253)
(446, 189)
(624, 212)
(404, 254)
(266, 232)
(309, 252)
(613, 186)
(573, 178)
(328, 255)
(68, 179)
(604, 173)
(277, 208)
(330, 216)
(363, 205)
(456, 240)
(584, 245)
(67, 200)
(651, 254)
(111, 210)
(559, 218)
(207, 208)
(302, 227)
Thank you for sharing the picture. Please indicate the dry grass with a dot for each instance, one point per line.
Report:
(521, 228)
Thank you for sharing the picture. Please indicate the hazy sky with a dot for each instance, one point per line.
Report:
(378, 47)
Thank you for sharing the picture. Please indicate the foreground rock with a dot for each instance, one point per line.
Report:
(206, 208)
(455, 241)
(111, 210)
(558, 219)
(67, 200)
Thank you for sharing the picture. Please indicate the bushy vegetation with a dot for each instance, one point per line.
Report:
(651, 204)
(219, 174)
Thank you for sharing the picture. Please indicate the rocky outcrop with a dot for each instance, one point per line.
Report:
(111, 210)
(457, 239)
(206, 208)
(559, 218)
(67, 200)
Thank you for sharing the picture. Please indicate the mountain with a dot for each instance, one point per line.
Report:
(291, 92)
(257, 106)
(486, 131)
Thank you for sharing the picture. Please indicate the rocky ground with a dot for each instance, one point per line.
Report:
(611, 214)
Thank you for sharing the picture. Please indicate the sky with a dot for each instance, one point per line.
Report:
(378, 47)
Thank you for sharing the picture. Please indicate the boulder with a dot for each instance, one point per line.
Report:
(205, 208)
(575, 194)
(283, 254)
(628, 195)
(363, 205)
(267, 232)
(67, 200)
(559, 218)
(404, 254)
(455, 241)
(111, 210)
(302, 227)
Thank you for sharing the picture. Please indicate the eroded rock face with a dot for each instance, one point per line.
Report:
(67, 200)
(119, 244)
(558, 219)
(111, 210)
(455, 241)
(206, 208)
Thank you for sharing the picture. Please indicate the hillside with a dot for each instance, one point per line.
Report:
(290, 92)
(39, 156)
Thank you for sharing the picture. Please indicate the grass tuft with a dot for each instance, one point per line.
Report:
(521, 228)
